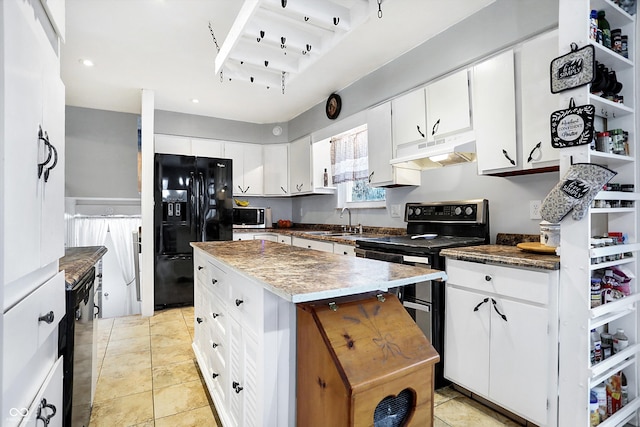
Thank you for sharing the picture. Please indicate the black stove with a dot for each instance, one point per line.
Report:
(431, 226)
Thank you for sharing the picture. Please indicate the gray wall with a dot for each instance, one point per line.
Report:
(504, 23)
(101, 154)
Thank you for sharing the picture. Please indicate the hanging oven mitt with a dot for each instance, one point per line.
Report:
(575, 191)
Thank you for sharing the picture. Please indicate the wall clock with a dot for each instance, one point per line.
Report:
(334, 104)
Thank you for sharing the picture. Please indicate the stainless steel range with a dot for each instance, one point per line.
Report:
(431, 226)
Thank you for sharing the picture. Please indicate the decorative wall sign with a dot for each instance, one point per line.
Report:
(575, 69)
(573, 126)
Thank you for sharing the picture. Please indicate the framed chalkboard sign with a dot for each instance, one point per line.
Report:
(576, 68)
(573, 126)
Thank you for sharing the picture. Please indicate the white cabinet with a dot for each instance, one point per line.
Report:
(243, 342)
(266, 236)
(32, 152)
(47, 407)
(341, 249)
(494, 113)
(506, 318)
(448, 105)
(247, 168)
(409, 119)
(537, 103)
(33, 99)
(186, 146)
(300, 166)
(276, 170)
(380, 151)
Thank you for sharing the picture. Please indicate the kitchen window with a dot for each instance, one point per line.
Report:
(350, 170)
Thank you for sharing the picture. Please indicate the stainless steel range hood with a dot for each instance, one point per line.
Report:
(451, 150)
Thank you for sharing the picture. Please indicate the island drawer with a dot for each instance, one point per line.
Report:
(217, 281)
(529, 285)
(246, 304)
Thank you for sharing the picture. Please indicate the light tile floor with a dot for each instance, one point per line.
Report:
(149, 377)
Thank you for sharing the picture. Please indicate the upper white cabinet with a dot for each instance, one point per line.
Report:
(380, 151)
(537, 103)
(276, 169)
(409, 120)
(186, 146)
(300, 166)
(447, 104)
(247, 167)
(494, 113)
(33, 146)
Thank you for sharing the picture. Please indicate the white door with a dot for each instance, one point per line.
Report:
(235, 152)
(536, 100)
(300, 166)
(448, 105)
(408, 117)
(494, 120)
(380, 144)
(519, 359)
(466, 341)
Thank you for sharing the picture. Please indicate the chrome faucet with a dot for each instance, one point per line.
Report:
(342, 213)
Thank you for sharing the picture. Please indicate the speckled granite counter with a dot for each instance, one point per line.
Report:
(300, 275)
(505, 255)
(77, 261)
(303, 231)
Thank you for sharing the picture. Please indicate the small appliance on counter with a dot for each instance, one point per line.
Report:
(252, 217)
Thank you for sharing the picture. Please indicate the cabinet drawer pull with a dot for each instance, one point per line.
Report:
(214, 375)
(420, 132)
(487, 278)
(478, 306)
(214, 315)
(199, 319)
(495, 307)
(435, 127)
(238, 302)
(200, 267)
(41, 409)
(236, 387)
(214, 281)
(214, 345)
(47, 318)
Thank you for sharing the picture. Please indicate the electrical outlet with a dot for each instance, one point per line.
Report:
(395, 211)
(534, 209)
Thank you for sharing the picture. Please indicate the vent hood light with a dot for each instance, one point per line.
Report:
(455, 149)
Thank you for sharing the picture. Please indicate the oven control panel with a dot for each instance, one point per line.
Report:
(460, 211)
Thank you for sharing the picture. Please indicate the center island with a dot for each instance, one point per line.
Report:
(248, 298)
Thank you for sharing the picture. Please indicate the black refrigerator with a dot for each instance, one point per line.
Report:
(192, 203)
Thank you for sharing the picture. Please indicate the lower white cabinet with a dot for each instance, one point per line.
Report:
(46, 409)
(501, 336)
(243, 345)
(341, 249)
(312, 244)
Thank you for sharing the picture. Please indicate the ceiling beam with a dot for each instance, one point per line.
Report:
(246, 12)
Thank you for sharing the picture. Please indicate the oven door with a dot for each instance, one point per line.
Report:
(416, 297)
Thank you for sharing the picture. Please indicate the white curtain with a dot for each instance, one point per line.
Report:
(92, 231)
(349, 154)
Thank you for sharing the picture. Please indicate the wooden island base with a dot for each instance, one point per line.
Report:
(358, 355)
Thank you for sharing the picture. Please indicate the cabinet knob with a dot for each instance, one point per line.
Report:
(487, 278)
(236, 387)
(214, 281)
(200, 267)
(199, 319)
(214, 375)
(238, 302)
(214, 315)
(47, 318)
(214, 345)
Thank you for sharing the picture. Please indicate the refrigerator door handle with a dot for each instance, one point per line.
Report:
(201, 206)
(195, 232)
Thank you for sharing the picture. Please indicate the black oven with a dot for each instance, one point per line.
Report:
(430, 227)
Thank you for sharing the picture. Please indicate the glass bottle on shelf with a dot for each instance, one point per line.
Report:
(603, 25)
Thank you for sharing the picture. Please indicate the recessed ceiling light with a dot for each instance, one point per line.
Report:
(86, 62)
(195, 101)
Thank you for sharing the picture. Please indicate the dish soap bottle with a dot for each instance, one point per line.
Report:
(326, 178)
(603, 24)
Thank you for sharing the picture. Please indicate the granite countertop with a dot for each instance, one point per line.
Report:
(77, 261)
(302, 230)
(301, 275)
(505, 255)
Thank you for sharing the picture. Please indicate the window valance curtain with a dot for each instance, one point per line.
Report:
(349, 153)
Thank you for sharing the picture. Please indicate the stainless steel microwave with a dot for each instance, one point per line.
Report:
(250, 217)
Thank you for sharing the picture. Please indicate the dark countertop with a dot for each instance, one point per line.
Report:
(300, 275)
(77, 261)
(506, 255)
